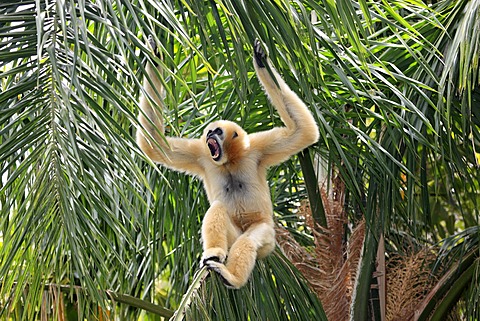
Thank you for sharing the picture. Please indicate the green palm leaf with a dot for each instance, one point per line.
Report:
(393, 86)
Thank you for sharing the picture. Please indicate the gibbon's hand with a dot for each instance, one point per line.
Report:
(259, 54)
(153, 46)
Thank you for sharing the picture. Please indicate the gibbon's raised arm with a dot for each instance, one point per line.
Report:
(300, 131)
(176, 153)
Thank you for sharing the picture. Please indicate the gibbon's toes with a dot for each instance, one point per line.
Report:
(221, 270)
(259, 54)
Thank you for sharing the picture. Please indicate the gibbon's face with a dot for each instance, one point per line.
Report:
(226, 141)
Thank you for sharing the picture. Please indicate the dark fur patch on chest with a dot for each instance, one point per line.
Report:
(233, 185)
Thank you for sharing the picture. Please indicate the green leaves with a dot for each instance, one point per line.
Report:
(65, 214)
(393, 87)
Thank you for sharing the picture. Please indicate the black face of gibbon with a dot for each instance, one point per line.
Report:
(213, 138)
(226, 141)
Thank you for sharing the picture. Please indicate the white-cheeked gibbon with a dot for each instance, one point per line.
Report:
(238, 227)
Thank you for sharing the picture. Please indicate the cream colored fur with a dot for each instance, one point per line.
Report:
(239, 226)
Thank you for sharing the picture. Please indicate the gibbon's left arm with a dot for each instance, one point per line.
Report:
(300, 131)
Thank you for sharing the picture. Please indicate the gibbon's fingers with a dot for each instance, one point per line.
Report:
(154, 47)
(153, 44)
(259, 54)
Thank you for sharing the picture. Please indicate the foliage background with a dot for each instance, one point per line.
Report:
(393, 86)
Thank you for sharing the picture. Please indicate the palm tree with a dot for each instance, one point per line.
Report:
(90, 229)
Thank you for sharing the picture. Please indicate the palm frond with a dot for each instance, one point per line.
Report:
(393, 87)
(283, 294)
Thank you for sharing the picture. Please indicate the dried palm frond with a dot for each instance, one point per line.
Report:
(331, 267)
(409, 279)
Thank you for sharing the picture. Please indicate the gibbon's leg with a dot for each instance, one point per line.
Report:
(218, 233)
(258, 240)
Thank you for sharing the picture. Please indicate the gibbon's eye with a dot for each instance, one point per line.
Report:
(235, 134)
(218, 131)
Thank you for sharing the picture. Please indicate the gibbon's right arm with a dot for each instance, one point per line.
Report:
(180, 154)
(278, 144)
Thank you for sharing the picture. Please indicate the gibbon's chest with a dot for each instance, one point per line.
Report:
(235, 186)
(241, 190)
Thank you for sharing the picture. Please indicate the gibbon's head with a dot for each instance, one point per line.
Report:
(225, 141)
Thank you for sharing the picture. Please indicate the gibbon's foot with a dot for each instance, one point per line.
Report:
(259, 54)
(214, 254)
(227, 278)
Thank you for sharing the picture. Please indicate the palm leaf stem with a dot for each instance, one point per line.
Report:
(313, 191)
(114, 296)
(188, 296)
(361, 295)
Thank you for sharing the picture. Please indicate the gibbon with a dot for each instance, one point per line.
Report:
(238, 227)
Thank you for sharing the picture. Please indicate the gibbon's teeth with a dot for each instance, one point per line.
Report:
(214, 148)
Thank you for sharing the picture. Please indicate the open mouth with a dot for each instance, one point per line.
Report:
(214, 148)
